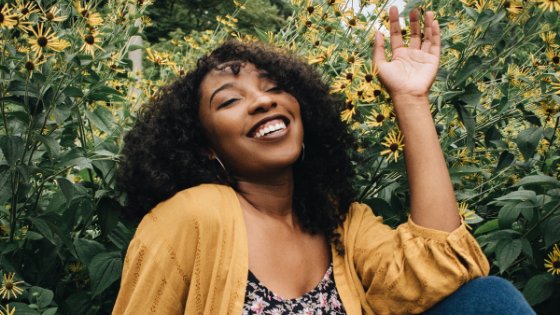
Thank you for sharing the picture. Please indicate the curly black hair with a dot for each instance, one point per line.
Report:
(164, 151)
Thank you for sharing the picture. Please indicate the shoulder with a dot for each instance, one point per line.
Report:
(195, 207)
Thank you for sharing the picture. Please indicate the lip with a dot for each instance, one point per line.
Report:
(251, 132)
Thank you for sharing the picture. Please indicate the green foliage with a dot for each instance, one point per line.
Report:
(65, 108)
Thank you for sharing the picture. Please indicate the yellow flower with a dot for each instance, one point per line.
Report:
(92, 18)
(158, 58)
(394, 142)
(8, 310)
(549, 38)
(553, 56)
(352, 58)
(31, 64)
(351, 20)
(378, 118)
(52, 15)
(552, 264)
(46, 40)
(91, 41)
(550, 5)
(555, 87)
(9, 288)
(349, 111)
(468, 216)
(26, 8)
(323, 54)
(7, 18)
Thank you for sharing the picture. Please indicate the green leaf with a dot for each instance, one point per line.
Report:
(50, 311)
(471, 66)
(471, 96)
(40, 296)
(507, 252)
(410, 5)
(71, 91)
(105, 93)
(510, 212)
(101, 118)
(12, 147)
(74, 158)
(527, 141)
(504, 161)
(70, 190)
(538, 180)
(104, 270)
(488, 226)
(51, 144)
(467, 118)
(551, 230)
(121, 236)
(539, 288)
(21, 88)
(87, 249)
(520, 195)
(44, 229)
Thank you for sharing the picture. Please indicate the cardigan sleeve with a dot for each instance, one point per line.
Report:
(409, 269)
(146, 287)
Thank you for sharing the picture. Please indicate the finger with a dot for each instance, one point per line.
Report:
(415, 36)
(435, 48)
(378, 52)
(428, 19)
(395, 28)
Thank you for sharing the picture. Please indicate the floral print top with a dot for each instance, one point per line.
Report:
(322, 300)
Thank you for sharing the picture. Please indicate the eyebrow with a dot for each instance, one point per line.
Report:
(221, 88)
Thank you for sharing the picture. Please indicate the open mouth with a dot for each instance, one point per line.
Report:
(269, 127)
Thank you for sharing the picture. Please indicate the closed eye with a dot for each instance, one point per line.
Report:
(274, 89)
(228, 102)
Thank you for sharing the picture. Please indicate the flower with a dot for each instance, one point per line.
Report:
(468, 216)
(7, 18)
(158, 58)
(394, 144)
(26, 8)
(553, 56)
(552, 264)
(349, 110)
(52, 15)
(377, 118)
(8, 310)
(9, 288)
(90, 43)
(31, 64)
(92, 18)
(550, 5)
(47, 39)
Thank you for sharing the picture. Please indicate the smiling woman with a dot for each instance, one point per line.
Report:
(242, 173)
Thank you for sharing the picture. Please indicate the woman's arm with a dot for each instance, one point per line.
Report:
(408, 78)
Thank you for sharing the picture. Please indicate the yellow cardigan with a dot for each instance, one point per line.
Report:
(189, 256)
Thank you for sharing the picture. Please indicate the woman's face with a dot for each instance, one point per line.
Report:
(253, 126)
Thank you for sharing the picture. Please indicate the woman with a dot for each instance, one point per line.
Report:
(249, 163)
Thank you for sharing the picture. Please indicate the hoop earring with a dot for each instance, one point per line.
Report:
(220, 162)
(302, 156)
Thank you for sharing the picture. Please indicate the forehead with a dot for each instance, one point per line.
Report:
(228, 72)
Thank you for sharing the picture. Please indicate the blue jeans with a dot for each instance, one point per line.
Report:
(486, 295)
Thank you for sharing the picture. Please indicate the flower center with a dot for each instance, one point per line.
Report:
(352, 22)
(89, 39)
(394, 147)
(49, 16)
(29, 66)
(310, 9)
(349, 76)
(556, 59)
(9, 286)
(379, 118)
(351, 59)
(376, 93)
(42, 41)
(556, 264)
(84, 13)
(368, 77)
(24, 11)
(1, 18)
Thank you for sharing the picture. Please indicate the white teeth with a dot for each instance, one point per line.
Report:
(269, 128)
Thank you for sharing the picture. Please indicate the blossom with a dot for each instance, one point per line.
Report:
(550, 5)
(394, 142)
(552, 264)
(9, 288)
(8, 310)
(86, 11)
(53, 15)
(7, 18)
(46, 39)
(91, 40)
(377, 118)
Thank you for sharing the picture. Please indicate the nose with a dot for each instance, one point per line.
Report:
(262, 103)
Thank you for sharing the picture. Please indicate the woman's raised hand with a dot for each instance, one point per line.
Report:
(412, 69)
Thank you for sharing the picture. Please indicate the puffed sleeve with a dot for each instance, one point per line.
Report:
(409, 269)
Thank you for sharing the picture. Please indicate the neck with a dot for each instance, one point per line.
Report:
(270, 197)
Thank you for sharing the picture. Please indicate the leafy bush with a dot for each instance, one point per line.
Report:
(66, 104)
